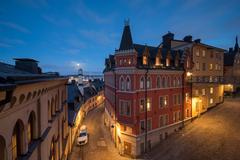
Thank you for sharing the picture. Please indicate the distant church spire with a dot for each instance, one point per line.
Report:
(236, 47)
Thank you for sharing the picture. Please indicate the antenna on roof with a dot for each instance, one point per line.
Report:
(126, 22)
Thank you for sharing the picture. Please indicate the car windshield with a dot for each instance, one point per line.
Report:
(83, 134)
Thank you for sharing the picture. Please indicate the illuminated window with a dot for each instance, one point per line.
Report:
(196, 92)
(149, 105)
(129, 61)
(167, 62)
(30, 128)
(141, 106)
(210, 78)
(17, 140)
(210, 66)
(163, 101)
(145, 61)
(211, 90)
(203, 92)
(211, 100)
(157, 61)
(216, 67)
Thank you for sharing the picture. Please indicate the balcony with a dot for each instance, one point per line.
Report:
(205, 79)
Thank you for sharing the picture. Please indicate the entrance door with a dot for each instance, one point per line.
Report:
(127, 148)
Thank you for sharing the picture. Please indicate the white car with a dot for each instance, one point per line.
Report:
(83, 136)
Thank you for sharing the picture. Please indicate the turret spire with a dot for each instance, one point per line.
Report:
(236, 47)
(126, 41)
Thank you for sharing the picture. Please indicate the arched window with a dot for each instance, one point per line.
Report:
(53, 107)
(163, 82)
(148, 82)
(174, 82)
(168, 82)
(128, 83)
(18, 140)
(178, 82)
(142, 83)
(122, 85)
(49, 111)
(63, 133)
(158, 82)
(3, 150)
(31, 128)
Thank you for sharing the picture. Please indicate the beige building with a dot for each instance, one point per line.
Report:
(206, 73)
(33, 113)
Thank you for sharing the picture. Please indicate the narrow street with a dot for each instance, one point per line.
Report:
(100, 146)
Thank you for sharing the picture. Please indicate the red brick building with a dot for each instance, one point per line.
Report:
(147, 97)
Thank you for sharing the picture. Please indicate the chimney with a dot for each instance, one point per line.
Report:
(167, 38)
(197, 40)
(28, 65)
(188, 38)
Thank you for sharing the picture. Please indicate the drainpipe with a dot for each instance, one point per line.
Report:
(183, 97)
(146, 110)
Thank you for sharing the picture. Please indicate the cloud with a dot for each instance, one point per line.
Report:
(57, 21)
(69, 67)
(99, 37)
(87, 14)
(15, 26)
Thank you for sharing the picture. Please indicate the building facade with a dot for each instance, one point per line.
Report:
(205, 75)
(33, 113)
(147, 95)
(232, 69)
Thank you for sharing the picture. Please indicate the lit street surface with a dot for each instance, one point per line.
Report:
(100, 146)
(215, 136)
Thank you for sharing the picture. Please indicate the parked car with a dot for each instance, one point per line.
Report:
(83, 136)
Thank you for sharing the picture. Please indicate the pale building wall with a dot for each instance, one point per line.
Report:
(19, 109)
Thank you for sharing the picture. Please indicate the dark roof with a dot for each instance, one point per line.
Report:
(72, 114)
(98, 84)
(89, 92)
(126, 41)
(26, 59)
(9, 74)
(229, 59)
(73, 92)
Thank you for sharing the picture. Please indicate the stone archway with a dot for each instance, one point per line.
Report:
(3, 149)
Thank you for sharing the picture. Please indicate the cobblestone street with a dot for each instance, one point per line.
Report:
(214, 136)
(100, 145)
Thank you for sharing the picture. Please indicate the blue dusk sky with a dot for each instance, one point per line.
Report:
(60, 34)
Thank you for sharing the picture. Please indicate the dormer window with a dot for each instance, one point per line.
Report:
(167, 62)
(157, 61)
(145, 61)
(168, 59)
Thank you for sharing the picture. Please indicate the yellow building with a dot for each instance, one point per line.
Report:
(206, 73)
(33, 113)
